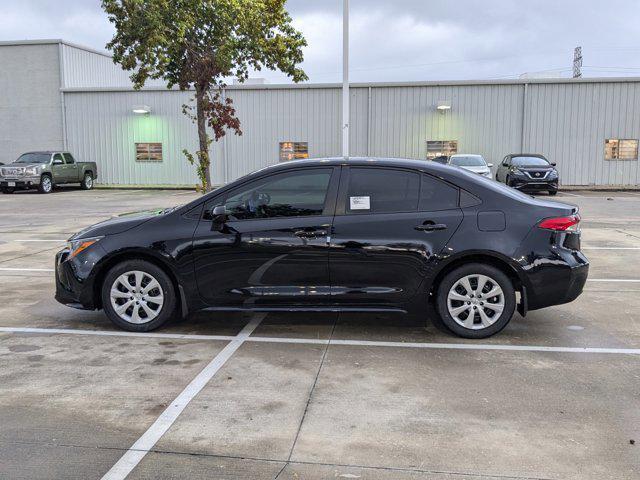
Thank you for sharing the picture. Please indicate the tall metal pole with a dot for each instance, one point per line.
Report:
(345, 79)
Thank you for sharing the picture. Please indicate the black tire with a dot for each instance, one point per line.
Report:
(553, 192)
(476, 269)
(7, 190)
(46, 184)
(165, 313)
(507, 181)
(87, 181)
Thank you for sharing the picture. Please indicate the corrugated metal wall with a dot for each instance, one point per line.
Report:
(568, 122)
(86, 68)
(103, 128)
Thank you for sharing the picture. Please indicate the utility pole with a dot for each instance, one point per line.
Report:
(577, 62)
(345, 79)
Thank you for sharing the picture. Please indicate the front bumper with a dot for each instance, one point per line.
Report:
(20, 182)
(533, 185)
(74, 282)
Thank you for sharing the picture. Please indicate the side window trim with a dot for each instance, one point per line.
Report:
(329, 200)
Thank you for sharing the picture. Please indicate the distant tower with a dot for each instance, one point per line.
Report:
(577, 62)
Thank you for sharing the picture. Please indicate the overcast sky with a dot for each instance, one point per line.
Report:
(399, 40)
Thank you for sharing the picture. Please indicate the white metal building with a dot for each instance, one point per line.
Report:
(56, 95)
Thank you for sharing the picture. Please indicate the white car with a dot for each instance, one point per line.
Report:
(473, 163)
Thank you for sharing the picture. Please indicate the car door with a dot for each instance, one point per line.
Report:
(58, 168)
(390, 226)
(71, 168)
(273, 248)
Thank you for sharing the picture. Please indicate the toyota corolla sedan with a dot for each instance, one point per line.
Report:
(367, 235)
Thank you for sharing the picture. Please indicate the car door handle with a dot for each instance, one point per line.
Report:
(310, 233)
(430, 227)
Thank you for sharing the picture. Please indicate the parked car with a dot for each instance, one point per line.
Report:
(366, 234)
(528, 171)
(44, 170)
(473, 163)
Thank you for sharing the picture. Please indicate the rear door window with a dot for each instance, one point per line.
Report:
(68, 159)
(380, 190)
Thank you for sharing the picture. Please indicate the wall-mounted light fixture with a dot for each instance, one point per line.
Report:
(141, 109)
(443, 106)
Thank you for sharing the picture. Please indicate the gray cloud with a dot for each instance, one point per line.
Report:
(408, 39)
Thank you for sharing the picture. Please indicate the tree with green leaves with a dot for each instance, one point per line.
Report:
(197, 44)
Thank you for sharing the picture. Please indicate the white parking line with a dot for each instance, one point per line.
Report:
(318, 341)
(623, 280)
(114, 333)
(53, 240)
(562, 192)
(141, 447)
(610, 248)
(9, 269)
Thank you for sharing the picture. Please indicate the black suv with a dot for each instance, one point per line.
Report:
(367, 234)
(528, 171)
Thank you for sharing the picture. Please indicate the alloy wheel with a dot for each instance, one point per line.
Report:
(136, 297)
(46, 184)
(475, 301)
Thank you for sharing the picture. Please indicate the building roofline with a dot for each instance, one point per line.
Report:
(438, 83)
(52, 41)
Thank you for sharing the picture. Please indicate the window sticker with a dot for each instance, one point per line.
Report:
(359, 203)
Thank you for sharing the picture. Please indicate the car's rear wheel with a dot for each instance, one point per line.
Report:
(476, 300)
(46, 184)
(553, 192)
(138, 296)
(87, 182)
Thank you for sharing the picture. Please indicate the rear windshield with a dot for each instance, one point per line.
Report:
(468, 161)
(34, 158)
(529, 162)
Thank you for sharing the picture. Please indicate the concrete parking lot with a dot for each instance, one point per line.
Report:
(556, 395)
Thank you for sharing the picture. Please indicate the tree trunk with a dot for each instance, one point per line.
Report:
(203, 157)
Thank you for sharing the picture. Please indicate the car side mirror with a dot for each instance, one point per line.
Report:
(505, 164)
(218, 217)
(489, 165)
(58, 162)
(553, 164)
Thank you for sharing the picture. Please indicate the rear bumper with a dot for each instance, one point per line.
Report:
(559, 278)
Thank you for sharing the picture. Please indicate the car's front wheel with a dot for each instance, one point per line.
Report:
(46, 184)
(7, 190)
(138, 296)
(476, 300)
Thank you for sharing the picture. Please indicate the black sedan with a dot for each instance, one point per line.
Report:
(528, 171)
(366, 235)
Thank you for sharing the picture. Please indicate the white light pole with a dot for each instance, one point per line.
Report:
(345, 79)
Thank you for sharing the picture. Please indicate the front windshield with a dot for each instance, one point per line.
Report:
(468, 161)
(34, 158)
(529, 162)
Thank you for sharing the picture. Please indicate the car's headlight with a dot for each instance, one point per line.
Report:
(31, 170)
(77, 246)
(553, 174)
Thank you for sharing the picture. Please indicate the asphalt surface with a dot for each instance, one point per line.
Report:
(556, 395)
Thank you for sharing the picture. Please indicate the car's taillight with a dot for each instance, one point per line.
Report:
(562, 224)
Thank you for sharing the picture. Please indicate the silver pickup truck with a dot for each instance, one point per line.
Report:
(44, 170)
